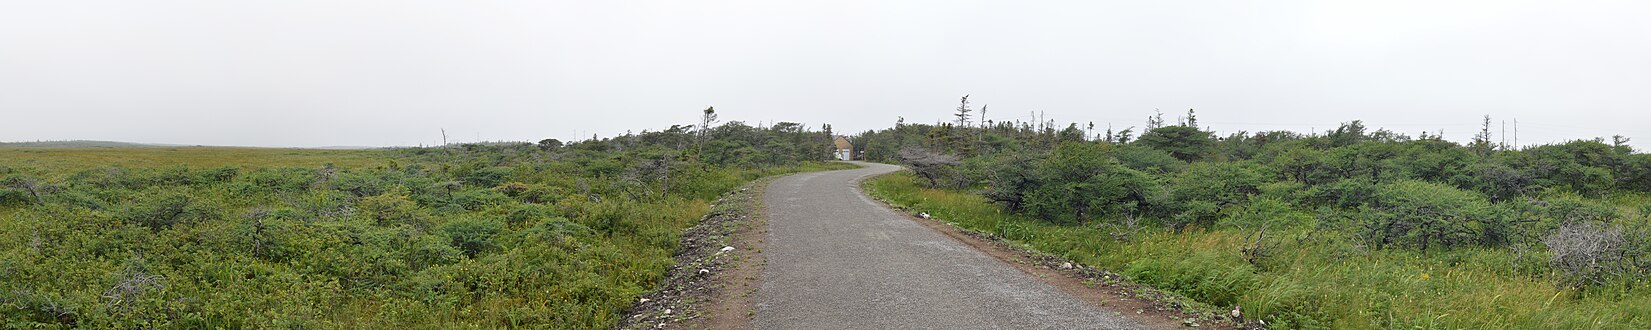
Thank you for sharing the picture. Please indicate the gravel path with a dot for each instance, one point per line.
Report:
(839, 260)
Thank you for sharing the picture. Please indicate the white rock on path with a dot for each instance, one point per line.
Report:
(726, 249)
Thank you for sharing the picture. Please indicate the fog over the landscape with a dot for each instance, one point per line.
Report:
(383, 73)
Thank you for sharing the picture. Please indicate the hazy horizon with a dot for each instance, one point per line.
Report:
(368, 73)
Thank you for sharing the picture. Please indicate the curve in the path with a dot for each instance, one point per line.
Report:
(838, 260)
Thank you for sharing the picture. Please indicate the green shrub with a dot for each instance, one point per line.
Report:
(1008, 177)
(1225, 183)
(486, 176)
(392, 209)
(1268, 213)
(1183, 142)
(1147, 159)
(322, 204)
(558, 228)
(1568, 209)
(219, 174)
(283, 180)
(429, 251)
(74, 197)
(1285, 190)
(14, 197)
(1350, 193)
(1499, 181)
(1423, 215)
(478, 199)
(472, 236)
(105, 177)
(167, 209)
(1201, 212)
(1081, 182)
(268, 237)
(361, 183)
(513, 188)
(538, 193)
(521, 215)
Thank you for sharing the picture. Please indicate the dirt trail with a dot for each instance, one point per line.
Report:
(836, 259)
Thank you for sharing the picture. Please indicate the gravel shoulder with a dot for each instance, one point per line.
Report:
(711, 286)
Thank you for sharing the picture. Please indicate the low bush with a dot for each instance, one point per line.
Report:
(473, 236)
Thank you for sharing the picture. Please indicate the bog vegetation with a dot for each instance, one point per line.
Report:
(464, 236)
(1350, 228)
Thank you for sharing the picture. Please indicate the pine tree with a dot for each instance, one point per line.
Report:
(1481, 141)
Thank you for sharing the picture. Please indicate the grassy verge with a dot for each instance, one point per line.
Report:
(1310, 280)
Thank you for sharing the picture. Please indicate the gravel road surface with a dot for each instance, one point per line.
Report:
(839, 260)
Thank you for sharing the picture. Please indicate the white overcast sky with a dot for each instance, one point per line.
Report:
(381, 73)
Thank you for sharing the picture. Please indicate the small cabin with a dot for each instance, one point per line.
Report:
(845, 150)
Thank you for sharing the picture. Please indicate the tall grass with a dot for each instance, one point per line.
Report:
(1312, 281)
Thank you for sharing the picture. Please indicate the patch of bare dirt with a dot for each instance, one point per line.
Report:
(717, 271)
(734, 302)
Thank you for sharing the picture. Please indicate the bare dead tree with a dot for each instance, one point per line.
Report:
(982, 121)
(929, 164)
(449, 187)
(706, 119)
(661, 169)
(1124, 230)
(35, 242)
(31, 185)
(137, 281)
(257, 216)
(645, 174)
(1587, 253)
(1256, 247)
(327, 172)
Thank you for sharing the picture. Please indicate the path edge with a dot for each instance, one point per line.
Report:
(1101, 288)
